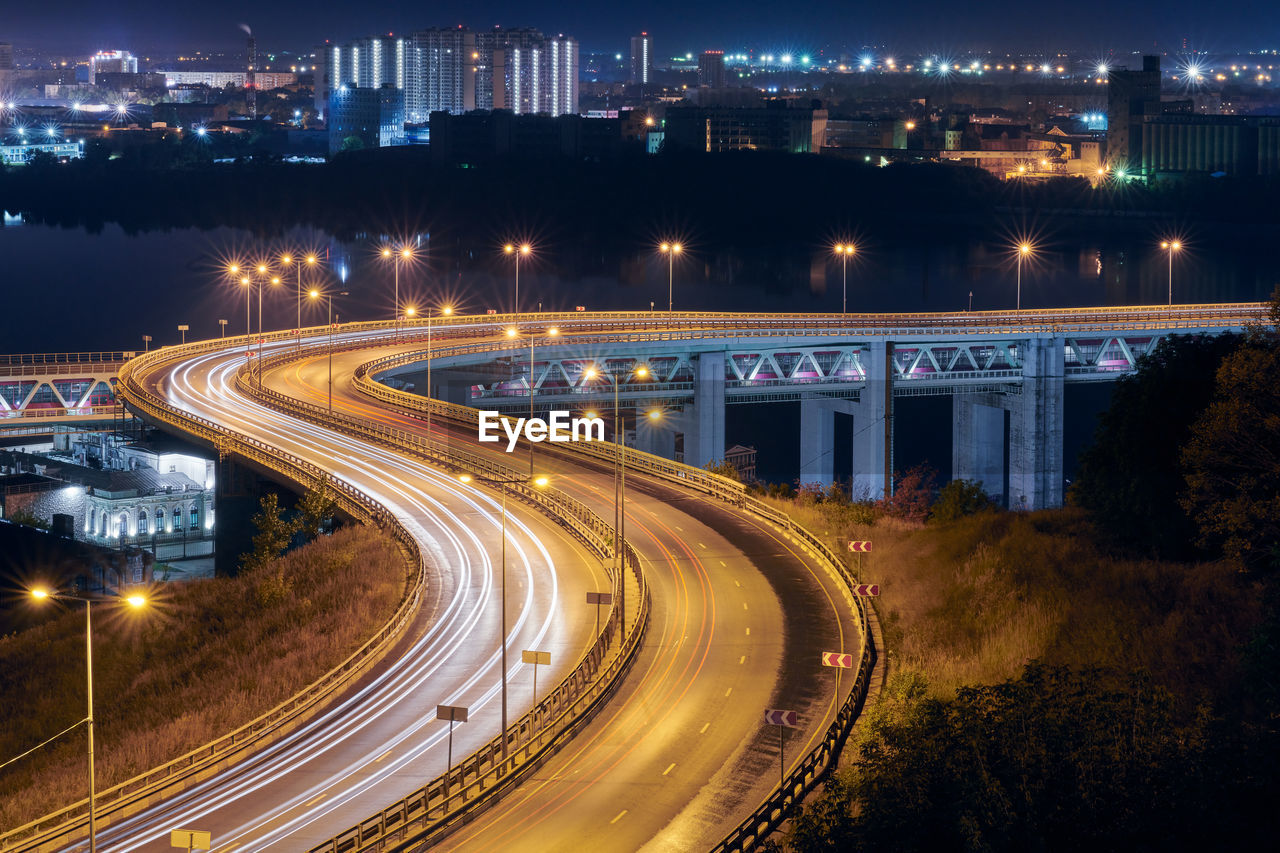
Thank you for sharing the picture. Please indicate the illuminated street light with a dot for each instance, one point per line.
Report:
(670, 250)
(137, 602)
(540, 482)
(517, 252)
(315, 294)
(1024, 249)
(1171, 246)
(404, 252)
(845, 251)
(620, 478)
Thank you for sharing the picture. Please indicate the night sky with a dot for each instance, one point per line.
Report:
(78, 26)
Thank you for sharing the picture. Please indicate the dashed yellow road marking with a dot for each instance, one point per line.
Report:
(619, 817)
(670, 767)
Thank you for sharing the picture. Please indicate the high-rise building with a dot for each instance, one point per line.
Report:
(6, 56)
(711, 69)
(365, 117)
(441, 73)
(1130, 96)
(112, 61)
(456, 70)
(641, 59)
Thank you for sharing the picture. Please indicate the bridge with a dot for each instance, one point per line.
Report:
(76, 387)
(998, 367)
(661, 700)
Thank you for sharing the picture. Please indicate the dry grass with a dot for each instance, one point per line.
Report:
(206, 658)
(969, 602)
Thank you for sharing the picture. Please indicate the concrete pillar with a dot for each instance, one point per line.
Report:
(1035, 428)
(873, 425)
(817, 437)
(1023, 460)
(703, 422)
(978, 440)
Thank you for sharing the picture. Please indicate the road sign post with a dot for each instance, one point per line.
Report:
(184, 329)
(841, 662)
(860, 547)
(783, 720)
(454, 714)
(191, 839)
(535, 658)
(598, 598)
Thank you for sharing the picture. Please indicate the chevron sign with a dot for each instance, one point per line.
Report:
(866, 589)
(781, 718)
(860, 547)
(837, 659)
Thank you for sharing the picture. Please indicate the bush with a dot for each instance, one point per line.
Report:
(960, 498)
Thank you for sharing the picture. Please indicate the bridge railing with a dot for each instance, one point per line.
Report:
(450, 798)
(59, 828)
(56, 358)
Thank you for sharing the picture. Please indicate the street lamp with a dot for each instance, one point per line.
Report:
(844, 251)
(517, 252)
(620, 479)
(541, 483)
(1024, 249)
(315, 294)
(136, 602)
(1171, 246)
(551, 333)
(444, 312)
(670, 250)
(404, 252)
(275, 280)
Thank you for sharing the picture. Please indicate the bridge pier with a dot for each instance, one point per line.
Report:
(703, 422)
(1012, 443)
(872, 430)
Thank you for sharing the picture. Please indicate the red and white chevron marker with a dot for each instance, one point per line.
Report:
(781, 718)
(837, 659)
(866, 589)
(857, 547)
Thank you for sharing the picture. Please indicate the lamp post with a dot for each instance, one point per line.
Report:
(551, 333)
(844, 251)
(670, 250)
(620, 481)
(444, 312)
(275, 280)
(540, 482)
(1024, 249)
(517, 252)
(315, 294)
(1171, 246)
(135, 601)
(404, 252)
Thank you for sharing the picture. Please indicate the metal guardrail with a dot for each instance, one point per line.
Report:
(433, 809)
(61, 826)
(820, 761)
(63, 413)
(66, 358)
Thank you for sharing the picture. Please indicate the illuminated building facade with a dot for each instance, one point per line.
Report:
(641, 59)
(711, 69)
(111, 61)
(365, 117)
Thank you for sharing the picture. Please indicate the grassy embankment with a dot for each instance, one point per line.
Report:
(971, 601)
(203, 659)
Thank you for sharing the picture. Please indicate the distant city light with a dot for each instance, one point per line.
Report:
(1102, 69)
(786, 59)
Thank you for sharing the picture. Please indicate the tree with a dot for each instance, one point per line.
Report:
(1056, 759)
(724, 468)
(1232, 458)
(912, 494)
(29, 518)
(352, 143)
(273, 534)
(960, 498)
(1129, 478)
(315, 509)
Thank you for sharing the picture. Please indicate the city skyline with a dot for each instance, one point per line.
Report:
(148, 26)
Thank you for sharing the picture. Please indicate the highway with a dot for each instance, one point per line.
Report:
(382, 740)
(677, 758)
(740, 618)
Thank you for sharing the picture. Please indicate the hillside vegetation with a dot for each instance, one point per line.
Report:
(204, 658)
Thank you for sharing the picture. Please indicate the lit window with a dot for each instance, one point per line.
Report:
(142, 522)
